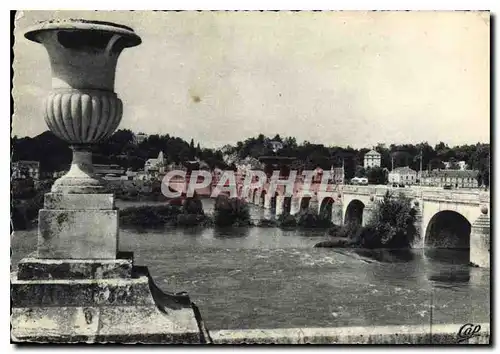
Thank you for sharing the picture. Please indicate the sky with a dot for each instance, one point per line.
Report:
(335, 78)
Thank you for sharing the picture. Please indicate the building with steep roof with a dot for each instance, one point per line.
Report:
(372, 159)
(139, 138)
(155, 166)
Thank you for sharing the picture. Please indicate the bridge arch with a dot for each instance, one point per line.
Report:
(262, 201)
(273, 202)
(254, 196)
(287, 205)
(304, 203)
(326, 208)
(448, 229)
(354, 212)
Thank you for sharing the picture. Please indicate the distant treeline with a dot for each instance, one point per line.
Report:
(121, 149)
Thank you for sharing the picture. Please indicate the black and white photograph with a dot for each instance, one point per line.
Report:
(251, 177)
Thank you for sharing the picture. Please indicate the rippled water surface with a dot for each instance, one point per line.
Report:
(269, 278)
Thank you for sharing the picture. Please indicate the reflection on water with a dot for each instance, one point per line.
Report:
(458, 275)
(231, 232)
(388, 256)
(448, 256)
(270, 278)
(449, 266)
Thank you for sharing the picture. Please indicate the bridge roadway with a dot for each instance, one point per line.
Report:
(457, 218)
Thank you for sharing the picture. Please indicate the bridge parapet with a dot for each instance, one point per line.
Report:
(366, 190)
(454, 196)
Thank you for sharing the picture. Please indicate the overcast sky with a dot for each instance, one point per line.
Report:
(337, 78)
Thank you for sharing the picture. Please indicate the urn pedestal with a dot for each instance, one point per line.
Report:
(98, 301)
(77, 286)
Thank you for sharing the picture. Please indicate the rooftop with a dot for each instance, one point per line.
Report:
(372, 153)
(450, 173)
(404, 169)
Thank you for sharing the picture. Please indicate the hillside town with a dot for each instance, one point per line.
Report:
(136, 157)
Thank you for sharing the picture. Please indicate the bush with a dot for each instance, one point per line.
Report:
(267, 223)
(310, 219)
(286, 220)
(352, 231)
(231, 212)
(191, 220)
(193, 205)
(392, 224)
(336, 242)
(23, 188)
(149, 216)
(24, 212)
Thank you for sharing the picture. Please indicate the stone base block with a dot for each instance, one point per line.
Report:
(77, 234)
(128, 308)
(79, 201)
(32, 268)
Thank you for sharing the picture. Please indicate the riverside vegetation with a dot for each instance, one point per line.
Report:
(392, 225)
(26, 201)
(228, 212)
(187, 213)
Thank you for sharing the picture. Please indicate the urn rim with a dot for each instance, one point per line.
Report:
(132, 39)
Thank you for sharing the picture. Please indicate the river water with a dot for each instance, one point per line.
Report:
(272, 278)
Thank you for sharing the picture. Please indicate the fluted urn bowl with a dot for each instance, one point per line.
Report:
(82, 108)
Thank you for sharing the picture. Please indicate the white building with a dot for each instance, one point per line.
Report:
(276, 145)
(403, 175)
(372, 159)
(140, 137)
(452, 178)
(155, 166)
(462, 165)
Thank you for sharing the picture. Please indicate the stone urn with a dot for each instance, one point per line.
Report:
(82, 108)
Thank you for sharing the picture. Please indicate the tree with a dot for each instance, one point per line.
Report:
(192, 150)
(401, 158)
(360, 171)
(385, 155)
(392, 224)
(277, 138)
(349, 166)
(436, 164)
(376, 175)
(483, 176)
(453, 164)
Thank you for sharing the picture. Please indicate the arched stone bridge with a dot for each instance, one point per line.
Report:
(458, 219)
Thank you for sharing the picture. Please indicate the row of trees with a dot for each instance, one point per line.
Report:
(121, 149)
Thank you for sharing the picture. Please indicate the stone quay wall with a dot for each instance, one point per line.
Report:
(438, 334)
